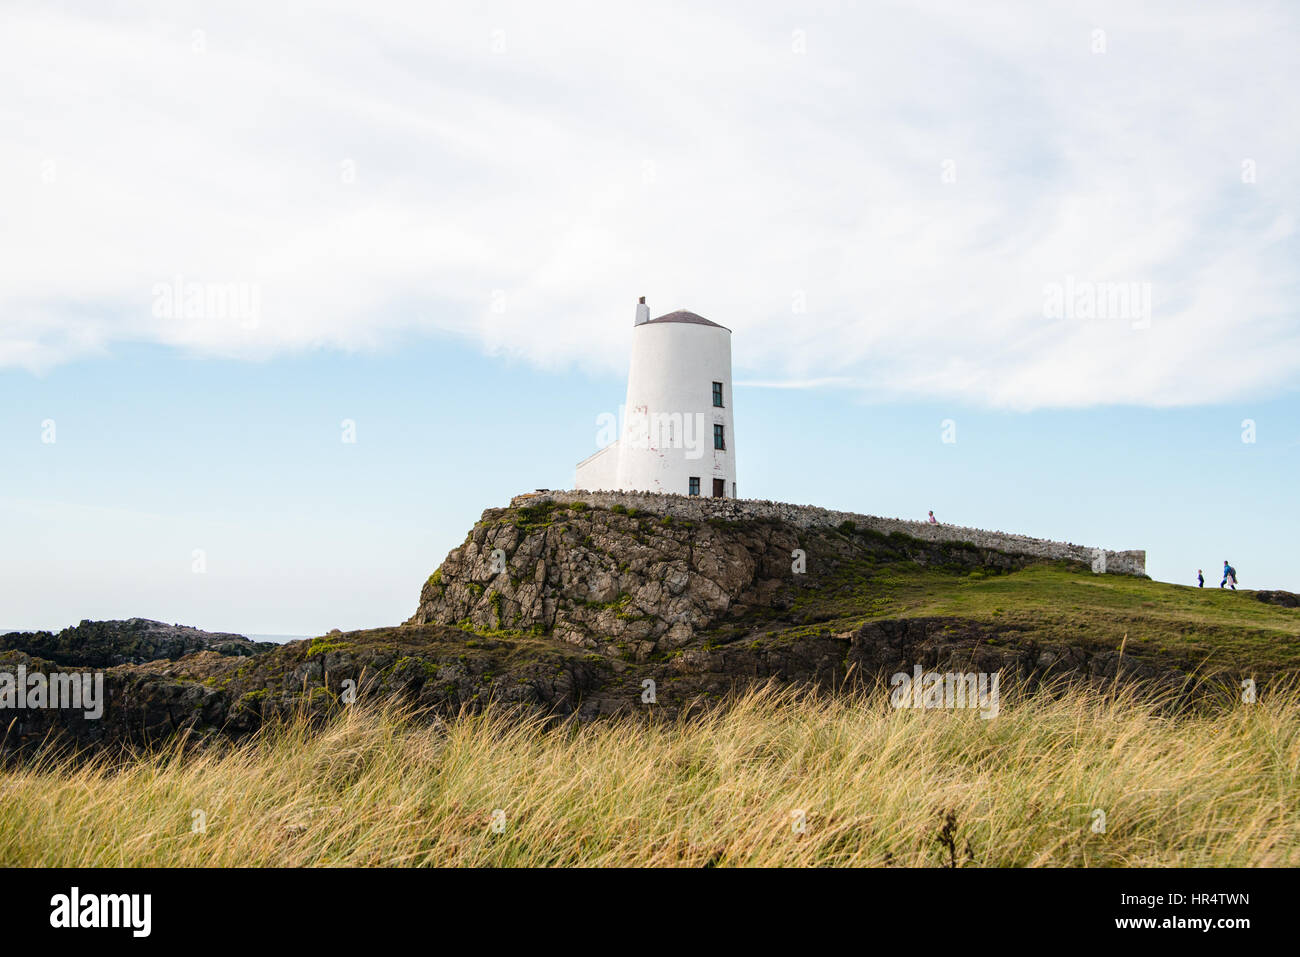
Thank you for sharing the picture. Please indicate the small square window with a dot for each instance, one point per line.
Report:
(695, 485)
(717, 395)
(719, 439)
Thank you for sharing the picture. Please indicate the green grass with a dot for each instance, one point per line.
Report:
(1060, 603)
(324, 645)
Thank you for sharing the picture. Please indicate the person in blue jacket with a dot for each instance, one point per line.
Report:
(1229, 576)
(1200, 578)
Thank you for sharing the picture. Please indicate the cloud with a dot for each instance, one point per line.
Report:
(877, 195)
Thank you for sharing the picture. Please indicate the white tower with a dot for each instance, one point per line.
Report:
(677, 434)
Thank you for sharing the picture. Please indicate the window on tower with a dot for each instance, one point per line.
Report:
(719, 439)
(695, 485)
(717, 395)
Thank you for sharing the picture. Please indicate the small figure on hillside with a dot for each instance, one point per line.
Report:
(933, 520)
(1229, 576)
(1200, 578)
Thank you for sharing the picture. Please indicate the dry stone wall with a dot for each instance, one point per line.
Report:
(699, 508)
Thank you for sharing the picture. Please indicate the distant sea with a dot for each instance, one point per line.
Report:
(278, 639)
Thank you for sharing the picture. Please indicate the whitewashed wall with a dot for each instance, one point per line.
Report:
(599, 471)
(669, 413)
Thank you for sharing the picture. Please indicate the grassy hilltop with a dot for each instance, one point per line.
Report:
(1059, 603)
(644, 587)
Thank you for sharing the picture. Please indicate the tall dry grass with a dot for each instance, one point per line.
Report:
(873, 785)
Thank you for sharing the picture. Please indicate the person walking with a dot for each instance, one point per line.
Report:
(1229, 576)
(1200, 578)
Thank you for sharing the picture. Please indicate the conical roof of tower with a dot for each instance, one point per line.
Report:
(681, 315)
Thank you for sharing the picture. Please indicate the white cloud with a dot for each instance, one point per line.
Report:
(518, 174)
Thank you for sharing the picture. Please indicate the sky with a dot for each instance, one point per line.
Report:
(1033, 266)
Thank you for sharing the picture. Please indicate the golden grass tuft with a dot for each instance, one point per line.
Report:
(777, 778)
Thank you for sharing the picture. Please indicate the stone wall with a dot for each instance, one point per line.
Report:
(699, 508)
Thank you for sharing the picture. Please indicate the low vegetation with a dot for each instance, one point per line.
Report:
(1196, 630)
(1079, 777)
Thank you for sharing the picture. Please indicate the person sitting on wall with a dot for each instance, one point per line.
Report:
(933, 520)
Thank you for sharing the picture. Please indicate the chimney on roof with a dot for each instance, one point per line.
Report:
(642, 312)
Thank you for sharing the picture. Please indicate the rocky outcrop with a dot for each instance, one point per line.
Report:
(1287, 599)
(626, 580)
(441, 670)
(102, 644)
(215, 697)
(567, 609)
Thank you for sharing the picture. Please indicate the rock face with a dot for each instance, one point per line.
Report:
(614, 579)
(101, 644)
(598, 577)
(1287, 599)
